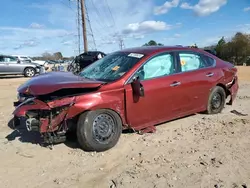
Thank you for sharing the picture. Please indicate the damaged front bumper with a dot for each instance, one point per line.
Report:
(48, 118)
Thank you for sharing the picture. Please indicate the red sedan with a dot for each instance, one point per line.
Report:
(129, 89)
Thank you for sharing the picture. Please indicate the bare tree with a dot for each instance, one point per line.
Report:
(58, 56)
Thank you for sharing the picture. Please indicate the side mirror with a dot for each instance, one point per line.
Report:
(137, 87)
(18, 61)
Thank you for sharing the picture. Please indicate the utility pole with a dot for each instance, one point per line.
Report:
(78, 27)
(121, 43)
(84, 26)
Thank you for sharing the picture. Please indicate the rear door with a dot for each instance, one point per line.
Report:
(197, 76)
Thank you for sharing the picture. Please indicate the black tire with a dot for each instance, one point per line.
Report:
(216, 100)
(29, 72)
(91, 136)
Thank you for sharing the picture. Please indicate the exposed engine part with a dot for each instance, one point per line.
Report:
(32, 124)
(54, 138)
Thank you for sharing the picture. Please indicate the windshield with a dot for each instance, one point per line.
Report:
(111, 67)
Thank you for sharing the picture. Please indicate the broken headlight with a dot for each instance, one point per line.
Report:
(21, 97)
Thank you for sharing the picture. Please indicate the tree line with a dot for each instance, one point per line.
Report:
(236, 50)
(52, 56)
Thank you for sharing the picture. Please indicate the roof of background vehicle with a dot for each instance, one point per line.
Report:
(20, 55)
(147, 50)
(6, 55)
(91, 53)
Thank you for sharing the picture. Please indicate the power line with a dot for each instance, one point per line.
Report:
(97, 12)
(69, 7)
(85, 18)
(111, 14)
(77, 21)
(121, 43)
(102, 23)
(120, 40)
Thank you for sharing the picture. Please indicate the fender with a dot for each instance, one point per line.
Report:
(114, 100)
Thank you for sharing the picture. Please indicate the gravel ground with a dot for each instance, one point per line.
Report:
(196, 151)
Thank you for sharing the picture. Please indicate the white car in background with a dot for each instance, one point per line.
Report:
(28, 59)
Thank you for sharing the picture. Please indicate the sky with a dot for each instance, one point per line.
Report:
(32, 27)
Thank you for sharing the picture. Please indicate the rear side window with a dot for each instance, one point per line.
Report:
(210, 61)
(191, 61)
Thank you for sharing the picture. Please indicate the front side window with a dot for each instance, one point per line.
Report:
(158, 66)
(10, 59)
(1, 59)
(111, 67)
(191, 61)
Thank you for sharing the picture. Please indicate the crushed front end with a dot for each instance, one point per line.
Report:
(47, 117)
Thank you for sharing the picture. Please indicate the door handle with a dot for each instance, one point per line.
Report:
(210, 74)
(174, 84)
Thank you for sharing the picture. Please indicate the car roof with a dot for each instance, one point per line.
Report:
(147, 50)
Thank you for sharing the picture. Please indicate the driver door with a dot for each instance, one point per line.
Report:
(162, 93)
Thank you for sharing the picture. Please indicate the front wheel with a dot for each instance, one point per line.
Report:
(99, 130)
(216, 100)
(29, 72)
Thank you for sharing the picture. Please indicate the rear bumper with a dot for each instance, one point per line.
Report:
(233, 88)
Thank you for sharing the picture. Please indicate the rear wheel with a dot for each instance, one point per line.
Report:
(216, 100)
(99, 130)
(29, 72)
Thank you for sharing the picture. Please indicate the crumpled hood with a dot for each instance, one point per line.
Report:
(53, 81)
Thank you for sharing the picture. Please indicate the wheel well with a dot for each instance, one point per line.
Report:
(27, 68)
(225, 89)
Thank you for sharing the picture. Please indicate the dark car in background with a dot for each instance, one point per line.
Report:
(10, 65)
(211, 51)
(83, 60)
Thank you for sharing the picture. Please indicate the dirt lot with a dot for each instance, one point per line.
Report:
(197, 151)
